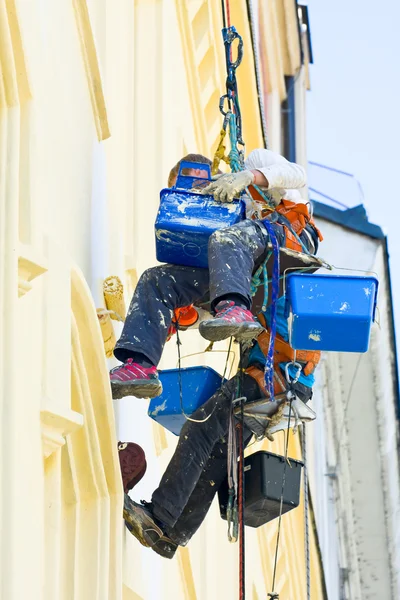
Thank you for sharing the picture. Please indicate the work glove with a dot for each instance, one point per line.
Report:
(226, 187)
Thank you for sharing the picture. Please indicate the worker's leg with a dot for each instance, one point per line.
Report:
(186, 490)
(197, 507)
(233, 254)
(199, 464)
(159, 291)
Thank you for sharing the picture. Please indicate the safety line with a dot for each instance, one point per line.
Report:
(228, 13)
(333, 169)
(257, 69)
(273, 595)
(306, 513)
(328, 197)
(178, 345)
(223, 13)
(241, 498)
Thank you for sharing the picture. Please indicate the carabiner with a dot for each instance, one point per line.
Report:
(229, 35)
(297, 375)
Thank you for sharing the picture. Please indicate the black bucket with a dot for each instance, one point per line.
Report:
(263, 487)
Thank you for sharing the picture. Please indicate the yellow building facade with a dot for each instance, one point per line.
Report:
(98, 99)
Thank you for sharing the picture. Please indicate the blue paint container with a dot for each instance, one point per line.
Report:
(186, 219)
(330, 312)
(198, 385)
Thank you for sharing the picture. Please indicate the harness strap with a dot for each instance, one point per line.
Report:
(284, 352)
(258, 375)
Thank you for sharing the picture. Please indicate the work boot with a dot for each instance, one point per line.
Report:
(230, 320)
(165, 547)
(140, 522)
(131, 379)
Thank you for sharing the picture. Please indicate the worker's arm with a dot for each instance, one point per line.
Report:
(263, 168)
(271, 170)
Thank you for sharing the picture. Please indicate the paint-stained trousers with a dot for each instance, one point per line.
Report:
(233, 254)
(199, 464)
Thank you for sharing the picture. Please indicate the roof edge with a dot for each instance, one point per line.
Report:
(355, 219)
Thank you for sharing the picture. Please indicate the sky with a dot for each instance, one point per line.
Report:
(353, 111)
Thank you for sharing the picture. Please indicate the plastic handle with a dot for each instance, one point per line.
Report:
(185, 164)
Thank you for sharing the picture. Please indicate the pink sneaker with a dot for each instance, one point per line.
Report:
(230, 320)
(131, 379)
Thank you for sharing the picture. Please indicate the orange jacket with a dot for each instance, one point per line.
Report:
(296, 213)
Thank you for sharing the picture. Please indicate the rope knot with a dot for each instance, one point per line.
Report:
(273, 596)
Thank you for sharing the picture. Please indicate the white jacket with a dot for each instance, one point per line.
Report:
(284, 177)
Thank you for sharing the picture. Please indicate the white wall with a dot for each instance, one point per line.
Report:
(354, 475)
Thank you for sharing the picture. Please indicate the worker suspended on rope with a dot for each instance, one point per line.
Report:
(198, 467)
(234, 254)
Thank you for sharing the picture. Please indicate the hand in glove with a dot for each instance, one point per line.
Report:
(226, 187)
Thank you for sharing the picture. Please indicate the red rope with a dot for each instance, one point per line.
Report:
(242, 581)
(228, 14)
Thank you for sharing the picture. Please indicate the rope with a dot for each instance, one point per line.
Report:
(178, 345)
(242, 571)
(228, 14)
(226, 363)
(223, 13)
(256, 281)
(254, 40)
(236, 159)
(341, 429)
(306, 514)
(231, 512)
(221, 149)
(274, 595)
(241, 498)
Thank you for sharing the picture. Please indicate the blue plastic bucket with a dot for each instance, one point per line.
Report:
(186, 219)
(330, 312)
(198, 385)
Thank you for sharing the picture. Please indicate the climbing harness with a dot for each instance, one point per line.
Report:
(308, 359)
